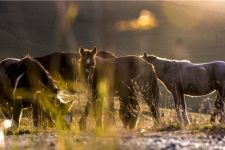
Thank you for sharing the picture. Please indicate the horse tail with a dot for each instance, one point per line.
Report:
(151, 95)
(155, 98)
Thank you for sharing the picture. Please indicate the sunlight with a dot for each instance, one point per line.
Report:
(103, 88)
(2, 139)
(182, 16)
(7, 123)
(72, 12)
(145, 21)
(4, 125)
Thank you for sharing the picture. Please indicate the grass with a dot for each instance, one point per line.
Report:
(108, 137)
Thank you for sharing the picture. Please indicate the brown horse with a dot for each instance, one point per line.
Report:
(105, 54)
(184, 77)
(25, 83)
(123, 77)
(63, 65)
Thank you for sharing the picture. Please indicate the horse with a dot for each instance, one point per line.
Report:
(63, 65)
(115, 77)
(105, 54)
(183, 77)
(25, 83)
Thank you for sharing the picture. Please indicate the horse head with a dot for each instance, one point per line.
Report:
(87, 62)
(58, 109)
(149, 58)
(47, 92)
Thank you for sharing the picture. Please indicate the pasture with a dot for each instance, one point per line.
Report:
(199, 135)
(175, 30)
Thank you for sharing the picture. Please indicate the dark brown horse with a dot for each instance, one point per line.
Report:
(105, 54)
(25, 83)
(63, 65)
(123, 77)
(184, 77)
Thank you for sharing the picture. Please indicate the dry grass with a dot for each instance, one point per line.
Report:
(107, 138)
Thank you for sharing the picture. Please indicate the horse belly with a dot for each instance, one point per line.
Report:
(198, 89)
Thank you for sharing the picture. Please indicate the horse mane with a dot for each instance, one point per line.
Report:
(9, 59)
(170, 60)
(27, 56)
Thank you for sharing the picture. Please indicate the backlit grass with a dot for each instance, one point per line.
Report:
(108, 137)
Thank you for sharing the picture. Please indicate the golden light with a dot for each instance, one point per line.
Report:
(182, 16)
(2, 140)
(72, 12)
(103, 88)
(145, 21)
(7, 123)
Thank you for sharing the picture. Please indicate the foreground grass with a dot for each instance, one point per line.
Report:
(107, 138)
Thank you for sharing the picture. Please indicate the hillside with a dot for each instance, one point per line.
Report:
(185, 30)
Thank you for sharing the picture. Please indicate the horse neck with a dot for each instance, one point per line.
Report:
(161, 67)
(82, 75)
(47, 80)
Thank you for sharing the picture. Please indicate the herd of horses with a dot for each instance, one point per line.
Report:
(33, 82)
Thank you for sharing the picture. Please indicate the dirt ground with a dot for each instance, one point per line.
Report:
(125, 141)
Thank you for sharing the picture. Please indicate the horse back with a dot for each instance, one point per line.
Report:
(123, 69)
(105, 54)
(55, 57)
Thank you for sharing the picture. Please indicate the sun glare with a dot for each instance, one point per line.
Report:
(7, 123)
(145, 21)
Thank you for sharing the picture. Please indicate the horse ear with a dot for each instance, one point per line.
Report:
(94, 51)
(81, 51)
(68, 105)
(145, 55)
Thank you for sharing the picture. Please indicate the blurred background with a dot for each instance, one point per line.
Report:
(176, 30)
(179, 30)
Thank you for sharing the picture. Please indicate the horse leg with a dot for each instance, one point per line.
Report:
(123, 111)
(6, 110)
(220, 103)
(111, 112)
(35, 115)
(97, 112)
(152, 100)
(184, 110)
(16, 114)
(216, 109)
(129, 111)
(135, 111)
(176, 97)
(48, 119)
(97, 104)
(83, 119)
